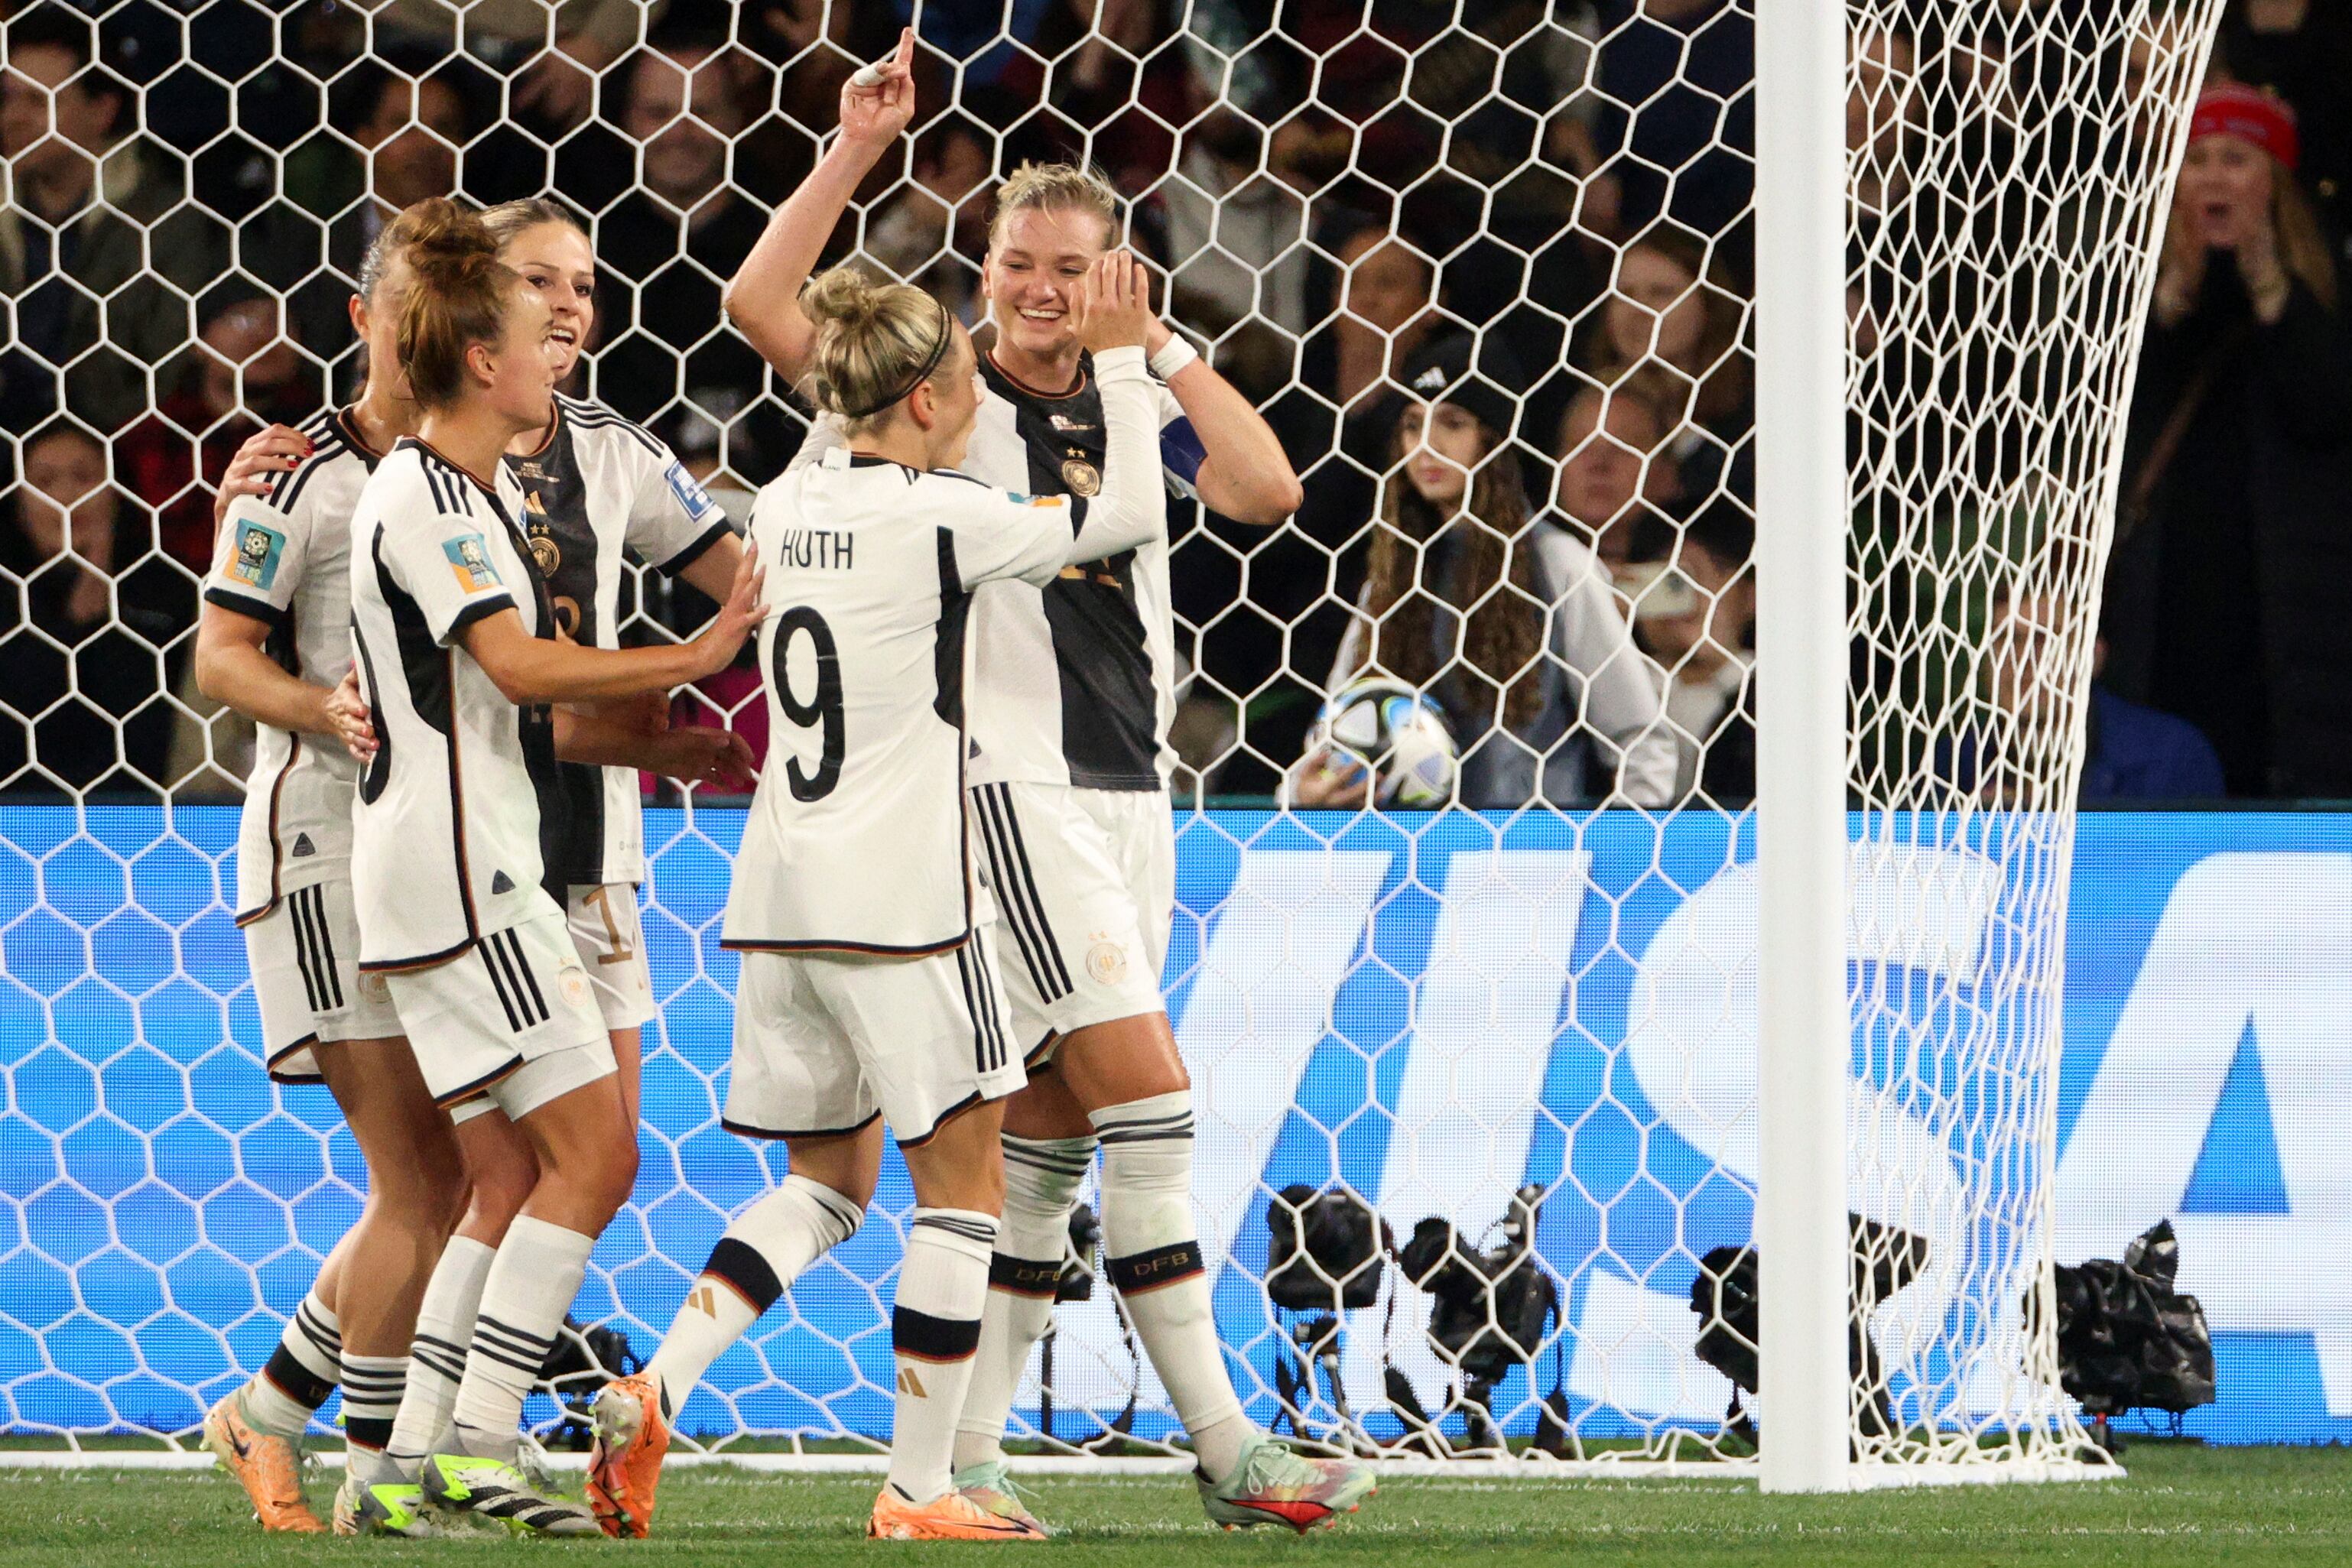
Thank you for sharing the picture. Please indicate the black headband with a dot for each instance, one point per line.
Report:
(938, 352)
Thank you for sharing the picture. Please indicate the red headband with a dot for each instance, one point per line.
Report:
(2250, 116)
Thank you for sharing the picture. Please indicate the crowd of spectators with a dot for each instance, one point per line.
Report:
(1333, 204)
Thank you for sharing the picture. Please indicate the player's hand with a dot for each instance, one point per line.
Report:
(1113, 304)
(874, 116)
(737, 618)
(348, 718)
(697, 754)
(265, 456)
(1326, 779)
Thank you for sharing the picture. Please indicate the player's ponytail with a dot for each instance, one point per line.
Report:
(876, 342)
(459, 297)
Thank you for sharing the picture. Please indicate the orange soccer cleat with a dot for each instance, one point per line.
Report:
(269, 1467)
(951, 1515)
(625, 1461)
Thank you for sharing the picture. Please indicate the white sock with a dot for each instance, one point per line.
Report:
(373, 1387)
(1150, 1241)
(437, 1361)
(531, 1285)
(300, 1373)
(934, 1331)
(1041, 1178)
(763, 1251)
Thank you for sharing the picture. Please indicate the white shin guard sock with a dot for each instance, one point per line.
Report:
(1150, 1241)
(763, 1251)
(1041, 1178)
(436, 1359)
(934, 1331)
(530, 1286)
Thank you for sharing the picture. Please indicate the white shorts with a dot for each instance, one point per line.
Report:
(1085, 881)
(513, 1018)
(825, 1043)
(611, 948)
(304, 956)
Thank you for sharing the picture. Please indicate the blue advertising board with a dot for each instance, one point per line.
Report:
(1432, 1012)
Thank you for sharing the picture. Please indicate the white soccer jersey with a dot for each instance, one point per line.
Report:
(284, 558)
(856, 840)
(600, 484)
(1075, 682)
(445, 846)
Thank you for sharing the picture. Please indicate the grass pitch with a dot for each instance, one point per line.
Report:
(2182, 1505)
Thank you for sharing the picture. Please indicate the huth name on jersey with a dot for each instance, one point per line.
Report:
(819, 549)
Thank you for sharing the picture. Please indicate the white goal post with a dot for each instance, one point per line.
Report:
(1825, 357)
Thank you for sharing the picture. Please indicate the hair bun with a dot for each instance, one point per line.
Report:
(445, 234)
(874, 341)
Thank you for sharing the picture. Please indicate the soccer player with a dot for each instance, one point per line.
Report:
(457, 642)
(1071, 699)
(273, 643)
(593, 485)
(870, 987)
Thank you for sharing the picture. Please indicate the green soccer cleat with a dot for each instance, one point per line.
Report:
(991, 1485)
(385, 1507)
(495, 1490)
(1274, 1485)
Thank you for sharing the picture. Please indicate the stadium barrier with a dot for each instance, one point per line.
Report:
(1432, 1010)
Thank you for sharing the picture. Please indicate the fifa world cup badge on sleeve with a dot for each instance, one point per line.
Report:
(469, 562)
(258, 551)
(691, 495)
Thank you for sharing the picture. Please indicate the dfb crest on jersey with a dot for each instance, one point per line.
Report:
(1082, 477)
(544, 550)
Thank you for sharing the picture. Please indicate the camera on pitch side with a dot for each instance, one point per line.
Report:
(1492, 1306)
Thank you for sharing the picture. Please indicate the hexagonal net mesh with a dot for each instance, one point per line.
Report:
(1529, 1013)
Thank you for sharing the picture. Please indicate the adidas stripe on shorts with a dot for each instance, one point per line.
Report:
(304, 956)
(1085, 881)
(824, 1042)
(512, 1020)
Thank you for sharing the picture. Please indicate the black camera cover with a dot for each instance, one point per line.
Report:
(1491, 1306)
(2126, 1339)
(1726, 1297)
(1326, 1249)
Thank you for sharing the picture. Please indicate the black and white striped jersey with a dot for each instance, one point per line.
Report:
(447, 841)
(597, 486)
(1076, 680)
(856, 840)
(284, 558)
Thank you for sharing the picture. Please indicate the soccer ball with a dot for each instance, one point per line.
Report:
(1388, 728)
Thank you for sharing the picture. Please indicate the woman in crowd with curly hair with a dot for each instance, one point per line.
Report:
(1506, 622)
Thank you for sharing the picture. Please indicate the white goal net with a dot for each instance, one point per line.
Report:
(1529, 1015)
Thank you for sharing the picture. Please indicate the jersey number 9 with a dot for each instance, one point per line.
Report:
(825, 708)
